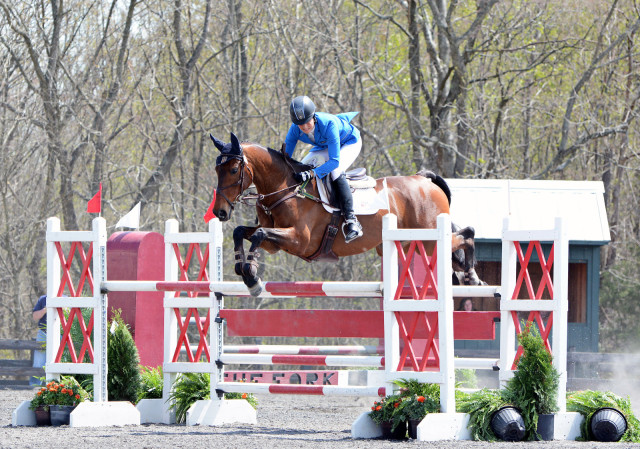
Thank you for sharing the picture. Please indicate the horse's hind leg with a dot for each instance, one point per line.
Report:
(463, 257)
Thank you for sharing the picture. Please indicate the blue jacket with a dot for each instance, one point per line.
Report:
(331, 132)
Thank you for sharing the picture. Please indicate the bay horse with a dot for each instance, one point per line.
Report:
(295, 224)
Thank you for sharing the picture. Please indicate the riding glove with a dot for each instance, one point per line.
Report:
(303, 176)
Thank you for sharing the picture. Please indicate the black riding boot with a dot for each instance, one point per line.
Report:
(354, 230)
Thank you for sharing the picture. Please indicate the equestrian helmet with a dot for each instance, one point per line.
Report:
(302, 110)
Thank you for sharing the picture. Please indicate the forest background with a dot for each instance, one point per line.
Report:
(126, 92)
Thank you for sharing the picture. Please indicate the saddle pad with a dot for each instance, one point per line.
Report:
(366, 201)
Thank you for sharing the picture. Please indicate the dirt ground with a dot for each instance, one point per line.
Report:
(292, 421)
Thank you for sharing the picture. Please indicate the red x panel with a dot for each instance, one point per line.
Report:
(183, 323)
(75, 291)
(411, 322)
(545, 282)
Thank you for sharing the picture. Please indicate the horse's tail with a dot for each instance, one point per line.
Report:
(437, 180)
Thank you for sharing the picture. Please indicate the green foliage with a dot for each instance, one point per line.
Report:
(249, 397)
(411, 387)
(588, 402)
(534, 385)
(151, 383)
(415, 407)
(187, 389)
(481, 405)
(383, 410)
(123, 380)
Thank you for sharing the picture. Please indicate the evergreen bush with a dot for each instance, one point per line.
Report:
(123, 379)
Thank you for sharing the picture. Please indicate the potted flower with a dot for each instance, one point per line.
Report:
(534, 385)
(40, 406)
(383, 413)
(413, 409)
(62, 397)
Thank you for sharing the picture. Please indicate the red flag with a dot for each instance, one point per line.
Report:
(210, 215)
(93, 206)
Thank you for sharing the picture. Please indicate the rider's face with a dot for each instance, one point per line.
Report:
(307, 127)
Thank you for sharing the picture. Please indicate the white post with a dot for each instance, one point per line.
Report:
(53, 284)
(390, 285)
(170, 321)
(216, 304)
(561, 297)
(445, 316)
(99, 228)
(507, 326)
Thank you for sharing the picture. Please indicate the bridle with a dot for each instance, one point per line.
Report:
(240, 180)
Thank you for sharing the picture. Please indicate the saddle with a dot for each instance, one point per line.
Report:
(357, 179)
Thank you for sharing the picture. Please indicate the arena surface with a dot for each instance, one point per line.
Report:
(283, 421)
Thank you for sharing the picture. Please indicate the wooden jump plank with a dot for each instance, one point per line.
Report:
(343, 323)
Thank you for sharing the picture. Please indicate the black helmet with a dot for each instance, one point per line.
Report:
(302, 110)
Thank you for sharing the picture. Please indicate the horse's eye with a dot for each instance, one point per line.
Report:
(234, 170)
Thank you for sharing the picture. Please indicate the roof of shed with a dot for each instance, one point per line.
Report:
(483, 204)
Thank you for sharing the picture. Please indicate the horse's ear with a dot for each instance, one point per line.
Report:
(218, 143)
(283, 150)
(235, 144)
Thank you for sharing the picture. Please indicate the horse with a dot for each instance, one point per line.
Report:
(296, 223)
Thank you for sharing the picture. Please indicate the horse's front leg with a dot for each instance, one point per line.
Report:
(283, 238)
(240, 234)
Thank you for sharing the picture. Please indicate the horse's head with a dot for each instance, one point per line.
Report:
(233, 176)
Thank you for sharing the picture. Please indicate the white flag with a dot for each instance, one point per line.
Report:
(131, 220)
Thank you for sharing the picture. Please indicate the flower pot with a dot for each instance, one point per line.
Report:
(43, 416)
(545, 428)
(607, 424)
(413, 428)
(507, 424)
(60, 414)
(399, 433)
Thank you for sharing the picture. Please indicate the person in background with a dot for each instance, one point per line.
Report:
(466, 305)
(40, 356)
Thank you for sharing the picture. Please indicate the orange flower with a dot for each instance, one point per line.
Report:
(77, 396)
(244, 395)
(395, 405)
(420, 398)
(70, 392)
(40, 393)
(379, 407)
(373, 408)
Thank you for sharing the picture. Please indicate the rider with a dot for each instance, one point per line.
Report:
(336, 144)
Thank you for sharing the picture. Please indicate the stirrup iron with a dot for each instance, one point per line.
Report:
(355, 231)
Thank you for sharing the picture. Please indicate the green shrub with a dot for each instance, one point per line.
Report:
(151, 383)
(534, 385)
(123, 380)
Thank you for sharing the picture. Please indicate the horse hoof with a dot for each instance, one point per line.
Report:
(238, 269)
(256, 289)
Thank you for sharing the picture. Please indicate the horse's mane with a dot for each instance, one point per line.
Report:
(295, 164)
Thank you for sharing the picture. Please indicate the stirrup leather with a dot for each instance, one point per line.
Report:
(355, 230)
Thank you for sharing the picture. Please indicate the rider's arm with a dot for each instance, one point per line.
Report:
(292, 139)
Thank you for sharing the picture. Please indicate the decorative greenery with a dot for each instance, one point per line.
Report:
(481, 405)
(534, 385)
(384, 410)
(191, 387)
(416, 407)
(66, 392)
(123, 381)
(151, 383)
(411, 387)
(249, 397)
(588, 402)
(187, 389)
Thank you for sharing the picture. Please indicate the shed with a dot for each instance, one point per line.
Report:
(483, 204)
